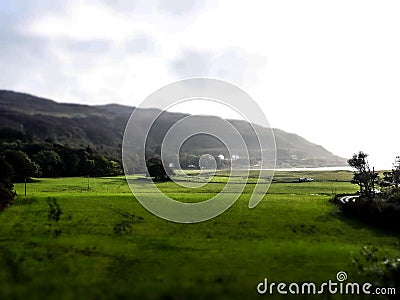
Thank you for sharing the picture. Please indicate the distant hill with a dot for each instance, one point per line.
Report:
(102, 127)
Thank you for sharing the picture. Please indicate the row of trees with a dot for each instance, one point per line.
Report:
(45, 159)
(53, 163)
(22, 158)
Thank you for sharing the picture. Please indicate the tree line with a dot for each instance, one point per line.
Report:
(47, 159)
(21, 158)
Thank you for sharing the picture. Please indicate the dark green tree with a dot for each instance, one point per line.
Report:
(49, 161)
(391, 180)
(396, 173)
(9, 134)
(102, 166)
(364, 176)
(157, 170)
(22, 165)
(71, 164)
(6, 185)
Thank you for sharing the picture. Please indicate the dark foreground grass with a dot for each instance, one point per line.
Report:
(107, 246)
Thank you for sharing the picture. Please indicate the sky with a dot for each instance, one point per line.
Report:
(326, 70)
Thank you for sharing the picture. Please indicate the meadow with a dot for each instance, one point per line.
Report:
(105, 245)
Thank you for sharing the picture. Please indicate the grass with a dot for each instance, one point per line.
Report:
(110, 247)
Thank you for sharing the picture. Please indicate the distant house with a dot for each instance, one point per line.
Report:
(235, 156)
(221, 157)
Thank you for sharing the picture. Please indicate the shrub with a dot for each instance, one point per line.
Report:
(157, 170)
(384, 270)
(54, 209)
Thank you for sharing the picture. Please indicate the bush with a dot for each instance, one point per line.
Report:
(157, 170)
(55, 211)
(54, 214)
(384, 270)
(378, 211)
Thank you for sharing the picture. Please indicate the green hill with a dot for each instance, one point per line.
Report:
(102, 128)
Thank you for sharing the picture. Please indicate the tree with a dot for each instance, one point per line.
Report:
(71, 163)
(22, 165)
(87, 166)
(49, 161)
(157, 170)
(86, 162)
(364, 177)
(392, 179)
(102, 166)
(9, 134)
(387, 180)
(396, 172)
(6, 185)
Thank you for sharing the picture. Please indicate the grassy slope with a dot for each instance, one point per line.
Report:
(294, 234)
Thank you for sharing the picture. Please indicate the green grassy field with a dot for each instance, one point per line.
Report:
(107, 246)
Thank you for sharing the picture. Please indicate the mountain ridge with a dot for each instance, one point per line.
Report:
(102, 127)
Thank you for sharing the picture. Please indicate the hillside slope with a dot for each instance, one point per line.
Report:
(102, 127)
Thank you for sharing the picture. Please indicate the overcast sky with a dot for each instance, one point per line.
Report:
(326, 70)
